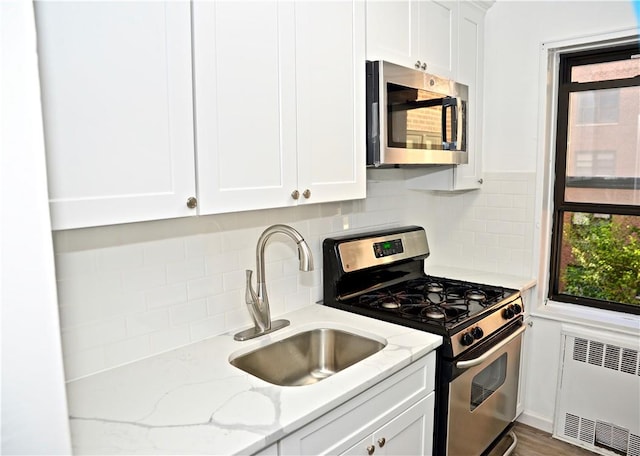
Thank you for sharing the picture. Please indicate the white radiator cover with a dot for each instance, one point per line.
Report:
(598, 401)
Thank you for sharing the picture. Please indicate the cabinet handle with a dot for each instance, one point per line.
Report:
(424, 66)
(295, 194)
(481, 181)
(307, 193)
(371, 449)
(192, 202)
(418, 65)
(382, 441)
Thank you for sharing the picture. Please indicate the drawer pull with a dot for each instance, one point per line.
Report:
(370, 450)
(382, 441)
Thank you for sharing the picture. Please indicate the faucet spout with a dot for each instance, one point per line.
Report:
(258, 300)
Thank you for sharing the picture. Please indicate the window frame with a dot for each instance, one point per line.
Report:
(564, 89)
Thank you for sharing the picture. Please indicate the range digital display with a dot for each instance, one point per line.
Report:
(386, 248)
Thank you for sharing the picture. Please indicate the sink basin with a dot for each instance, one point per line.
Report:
(307, 357)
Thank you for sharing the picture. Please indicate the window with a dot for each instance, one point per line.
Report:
(595, 257)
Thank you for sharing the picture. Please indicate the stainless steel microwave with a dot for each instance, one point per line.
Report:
(414, 118)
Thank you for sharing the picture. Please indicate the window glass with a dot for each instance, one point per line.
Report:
(600, 257)
(595, 258)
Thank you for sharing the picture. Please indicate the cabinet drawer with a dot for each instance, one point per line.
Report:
(351, 422)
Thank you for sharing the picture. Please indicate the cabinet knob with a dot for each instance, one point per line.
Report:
(424, 66)
(481, 181)
(418, 65)
(371, 449)
(192, 202)
(307, 193)
(381, 442)
(295, 194)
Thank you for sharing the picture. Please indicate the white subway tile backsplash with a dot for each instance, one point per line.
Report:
(120, 258)
(225, 302)
(125, 350)
(227, 261)
(143, 279)
(165, 251)
(207, 286)
(147, 322)
(169, 338)
(211, 326)
(189, 312)
(183, 271)
(236, 280)
(166, 296)
(129, 291)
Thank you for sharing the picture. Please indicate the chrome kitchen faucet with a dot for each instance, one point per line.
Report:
(258, 301)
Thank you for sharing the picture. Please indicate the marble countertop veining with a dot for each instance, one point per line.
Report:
(192, 401)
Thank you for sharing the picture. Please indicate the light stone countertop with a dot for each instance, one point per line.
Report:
(483, 277)
(192, 401)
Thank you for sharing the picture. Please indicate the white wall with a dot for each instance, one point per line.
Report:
(515, 31)
(514, 104)
(34, 410)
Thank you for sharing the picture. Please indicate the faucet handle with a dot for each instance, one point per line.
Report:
(250, 295)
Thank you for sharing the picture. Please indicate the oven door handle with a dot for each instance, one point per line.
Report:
(482, 358)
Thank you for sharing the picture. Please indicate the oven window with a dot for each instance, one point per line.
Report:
(488, 381)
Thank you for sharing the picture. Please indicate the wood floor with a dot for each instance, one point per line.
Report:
(534, 442)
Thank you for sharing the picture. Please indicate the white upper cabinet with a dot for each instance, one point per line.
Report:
(331, 105)
(280, 104)
(449, 37)
(414, 33)
(117, 107)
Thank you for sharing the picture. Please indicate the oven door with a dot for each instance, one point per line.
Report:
(483, 393)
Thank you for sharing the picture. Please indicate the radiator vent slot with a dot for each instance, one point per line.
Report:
(601, 434)
(634, 445)
(612, 357)
(606, 355)
(596, 353)
(580, 348)
(629, 361)
(571, 426)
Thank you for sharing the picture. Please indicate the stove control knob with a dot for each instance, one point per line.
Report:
(466, 339)
(508, 313)
(477, 332)
(517, 308)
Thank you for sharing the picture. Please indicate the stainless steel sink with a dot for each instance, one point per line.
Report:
(307, 357)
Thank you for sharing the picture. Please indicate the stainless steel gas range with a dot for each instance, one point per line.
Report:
(381, 275)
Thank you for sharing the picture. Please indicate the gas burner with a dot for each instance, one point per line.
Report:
(434, 287)
(434, 313)
(476, 295)
(388, 302)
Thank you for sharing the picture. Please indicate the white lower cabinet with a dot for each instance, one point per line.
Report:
(410, 433)
(394, 417)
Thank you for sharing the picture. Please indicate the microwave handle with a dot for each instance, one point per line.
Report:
(451, 105)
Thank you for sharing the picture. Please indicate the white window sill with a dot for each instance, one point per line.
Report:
(587, 316)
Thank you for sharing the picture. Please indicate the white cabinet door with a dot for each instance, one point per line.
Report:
(438, 42)
(280, 104)
(417, 34)
(410, 433)
(470, 72)
(117, 107)
(330, 87)
(393, 31)
(245, 104)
